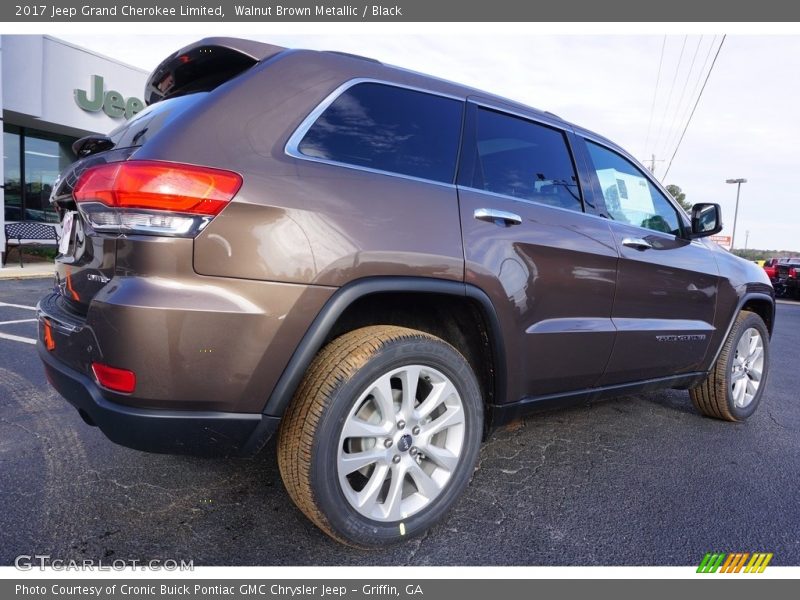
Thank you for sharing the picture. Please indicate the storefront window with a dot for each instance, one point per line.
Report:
(11, 172)
(39, 157)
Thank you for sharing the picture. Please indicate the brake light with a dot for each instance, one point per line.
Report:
(792, 272)
(118, 380)
(154, 197)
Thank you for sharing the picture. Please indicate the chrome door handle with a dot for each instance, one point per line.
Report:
(638, 243)
(499, 217)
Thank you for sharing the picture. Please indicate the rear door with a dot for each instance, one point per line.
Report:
(548, 265)
(666, 284)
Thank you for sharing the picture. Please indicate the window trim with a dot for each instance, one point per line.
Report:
(600, 198)
(474, 104)
(292, 147)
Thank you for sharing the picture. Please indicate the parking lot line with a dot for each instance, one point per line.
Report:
(17, 306)
(17, 321)
(17, 338)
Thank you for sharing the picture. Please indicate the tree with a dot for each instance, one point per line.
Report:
(680, 196)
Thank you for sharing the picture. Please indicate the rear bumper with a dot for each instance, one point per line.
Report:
(207, 433)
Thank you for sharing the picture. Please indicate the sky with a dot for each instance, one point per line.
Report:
(636, 90)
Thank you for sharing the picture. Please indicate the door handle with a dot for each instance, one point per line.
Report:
(638, 243)
(498, 217)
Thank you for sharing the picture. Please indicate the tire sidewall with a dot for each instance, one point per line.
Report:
(754, 322)
(341, 516)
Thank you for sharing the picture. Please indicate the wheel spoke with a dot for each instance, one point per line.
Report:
(754, 342)
(425, 485)
(743, 347)
(736, 376)
(755, 353)
(395, 496)
(367, 496)
(452, 416)
(751, 388)
(358, 460)
(739, 388)
(755, 374)
(410, 380)
(382, 393)
(441, 457)
(440, 392)
(358, 428)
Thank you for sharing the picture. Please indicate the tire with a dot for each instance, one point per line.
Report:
(720, 395)
(350, 439)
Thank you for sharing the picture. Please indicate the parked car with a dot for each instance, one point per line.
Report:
(378, 266)
(786, 280)
(770, 267)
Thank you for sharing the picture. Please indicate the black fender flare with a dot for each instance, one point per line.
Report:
(744, 299)
(323, 323)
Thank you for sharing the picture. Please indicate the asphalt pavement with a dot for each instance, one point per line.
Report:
(640, 480)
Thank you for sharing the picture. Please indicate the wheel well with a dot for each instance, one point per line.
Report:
(458, 320)
(764, 309)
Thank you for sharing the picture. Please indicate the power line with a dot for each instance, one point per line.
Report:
(655, 95)
(695, 87)
(672, 126)
(669, 96)
(695, 107)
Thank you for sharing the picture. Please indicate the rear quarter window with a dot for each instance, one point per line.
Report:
(388, 128)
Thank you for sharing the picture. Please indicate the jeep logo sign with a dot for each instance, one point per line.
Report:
(111, 102)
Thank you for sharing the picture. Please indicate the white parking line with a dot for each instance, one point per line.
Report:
(18, 321)
(17, 338)
(17, 305)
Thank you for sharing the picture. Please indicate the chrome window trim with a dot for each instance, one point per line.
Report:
(544, 120)
(529, 201)
(292, 147)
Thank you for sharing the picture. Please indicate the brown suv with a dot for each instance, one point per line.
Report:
(379, 266)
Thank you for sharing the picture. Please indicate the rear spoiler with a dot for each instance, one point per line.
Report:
(204, 65)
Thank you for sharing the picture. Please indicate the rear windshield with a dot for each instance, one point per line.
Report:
(152, 119)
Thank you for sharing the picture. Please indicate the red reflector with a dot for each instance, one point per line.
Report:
(158, 186)
(49, 342)
(119, 380)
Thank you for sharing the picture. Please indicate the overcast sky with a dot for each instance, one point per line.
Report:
(746, 124)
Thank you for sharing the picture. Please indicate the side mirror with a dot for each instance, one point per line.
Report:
(706, 220)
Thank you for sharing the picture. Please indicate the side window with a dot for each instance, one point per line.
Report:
(630, 196)
(525, 160)
(390, 129)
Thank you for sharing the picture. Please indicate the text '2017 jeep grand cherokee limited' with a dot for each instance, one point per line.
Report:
(378, 266)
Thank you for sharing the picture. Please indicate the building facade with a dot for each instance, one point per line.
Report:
(52, 94)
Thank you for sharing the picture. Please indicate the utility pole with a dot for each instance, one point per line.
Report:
(746, 238)
(653, 162)
(738, 183)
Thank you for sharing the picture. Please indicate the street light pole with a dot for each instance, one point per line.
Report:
(738, 183)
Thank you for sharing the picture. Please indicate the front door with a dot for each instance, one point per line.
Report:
(666, 283)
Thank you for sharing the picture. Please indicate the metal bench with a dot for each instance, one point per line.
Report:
(29, 233)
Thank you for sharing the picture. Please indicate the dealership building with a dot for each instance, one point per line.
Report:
(52, 94)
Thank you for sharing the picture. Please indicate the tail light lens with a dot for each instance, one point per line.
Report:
(118, 380)
(792, 272)
(153, 197)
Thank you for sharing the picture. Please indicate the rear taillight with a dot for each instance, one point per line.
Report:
(792, 272)
(118, 380)
(153, 197)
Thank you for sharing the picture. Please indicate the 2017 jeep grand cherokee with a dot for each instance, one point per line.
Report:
(379, 266)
